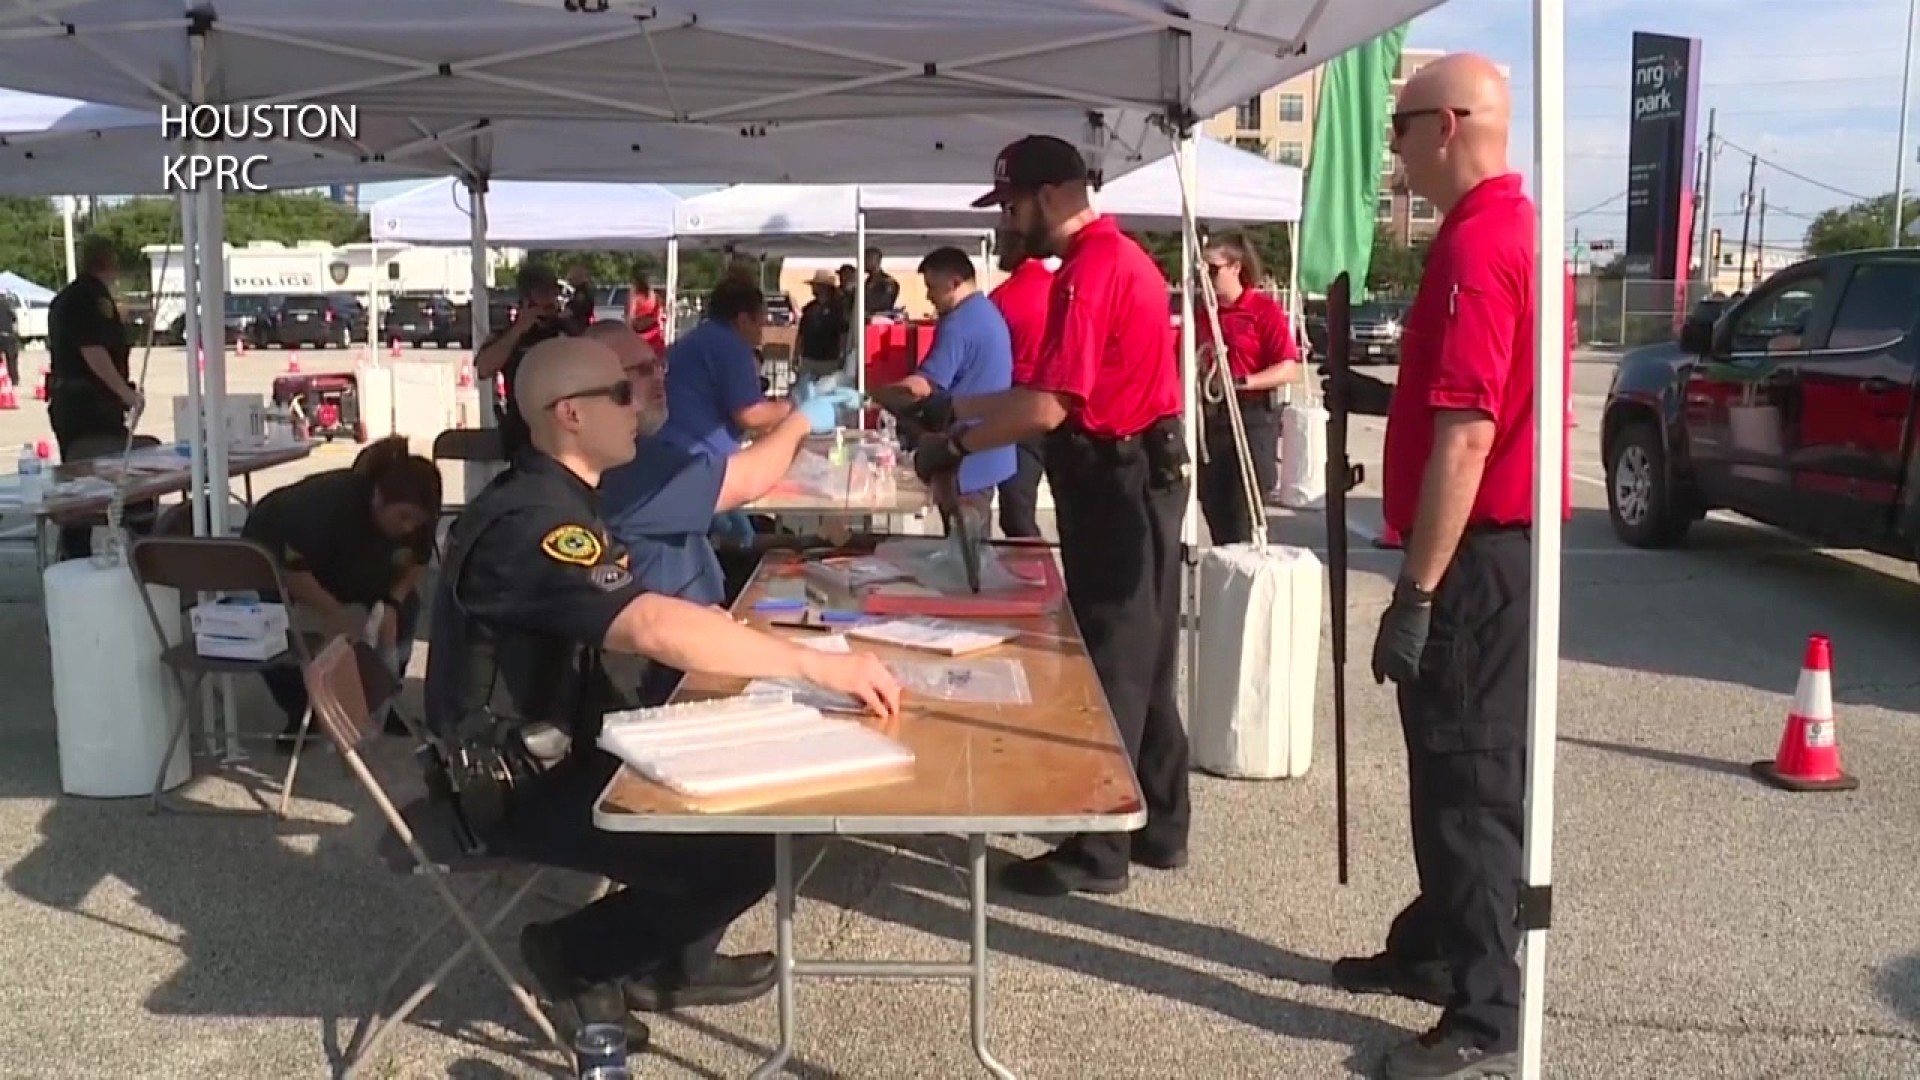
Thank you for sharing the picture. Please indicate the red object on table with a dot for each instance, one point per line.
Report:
(1034, 565)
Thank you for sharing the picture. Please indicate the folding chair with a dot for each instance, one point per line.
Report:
(474, 445)
(337, 681)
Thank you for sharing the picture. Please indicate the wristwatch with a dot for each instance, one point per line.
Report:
(1405, 587)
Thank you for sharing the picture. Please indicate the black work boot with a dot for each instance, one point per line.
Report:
(726, 980)
(1060, 872)
(1382, 974)
(571, 1003)
(1446, 1055)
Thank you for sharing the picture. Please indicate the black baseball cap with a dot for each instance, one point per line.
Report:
(1031, 163)
(533, 277)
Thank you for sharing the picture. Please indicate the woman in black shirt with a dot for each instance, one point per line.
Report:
(358, 538)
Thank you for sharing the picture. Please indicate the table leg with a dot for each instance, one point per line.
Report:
(783, 900)
(977, 955)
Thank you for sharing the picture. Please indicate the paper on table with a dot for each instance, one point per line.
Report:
(746, 744)
(936, 635)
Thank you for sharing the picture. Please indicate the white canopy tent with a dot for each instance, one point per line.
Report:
(530, 214)
(947, 84)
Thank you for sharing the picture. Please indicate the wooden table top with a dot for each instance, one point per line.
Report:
(151, 485)
(1056, 765)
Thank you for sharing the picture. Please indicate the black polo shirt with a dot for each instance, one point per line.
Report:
(324, 526)
(533, 576)
(823, 330)
(513, 426)
(83, 314)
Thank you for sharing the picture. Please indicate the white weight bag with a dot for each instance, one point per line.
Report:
(1259, 657)
(1303, 457)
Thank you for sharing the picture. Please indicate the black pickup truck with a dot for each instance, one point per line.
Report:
(1793, 405)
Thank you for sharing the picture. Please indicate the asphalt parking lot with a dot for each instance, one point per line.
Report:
(1705, 926)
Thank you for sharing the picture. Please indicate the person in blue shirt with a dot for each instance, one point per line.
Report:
(972, 353)
(713, 377)
(660, 505)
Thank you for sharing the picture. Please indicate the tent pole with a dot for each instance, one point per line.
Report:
(673, 289)
(1185, 151)
(189, 203)
(1550, 418)
(482, 305)
(860, 308)
(373, 300)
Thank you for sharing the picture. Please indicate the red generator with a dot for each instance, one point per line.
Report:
(324, 407)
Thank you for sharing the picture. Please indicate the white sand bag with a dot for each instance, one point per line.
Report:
(1303, 457)
(1259, 657)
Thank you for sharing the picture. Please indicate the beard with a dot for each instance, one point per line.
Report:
(652, 420)
(1037, 241)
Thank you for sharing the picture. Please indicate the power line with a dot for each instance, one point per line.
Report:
(1597, 207)
(1802, 177)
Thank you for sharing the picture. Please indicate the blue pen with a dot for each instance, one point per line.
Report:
(780, 604)
(842, 616)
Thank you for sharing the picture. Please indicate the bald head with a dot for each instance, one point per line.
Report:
(1450, 128)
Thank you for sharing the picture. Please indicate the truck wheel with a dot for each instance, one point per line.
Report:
(1640, 497)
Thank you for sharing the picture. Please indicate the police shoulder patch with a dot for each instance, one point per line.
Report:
(611, 577)
(572, 544)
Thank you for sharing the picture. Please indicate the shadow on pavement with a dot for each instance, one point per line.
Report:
(1665, 757)
(1899, 986)
(917, 866)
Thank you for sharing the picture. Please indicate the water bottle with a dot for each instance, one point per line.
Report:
(600, 1050)
(33, 476)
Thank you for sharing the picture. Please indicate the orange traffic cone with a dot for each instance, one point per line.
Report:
(200, 360)
(240, 345)
(1389, 538)
(44, 392)
(8, 398)
(393, 348)
(1809, 754)
(293, 359)
(466, 375)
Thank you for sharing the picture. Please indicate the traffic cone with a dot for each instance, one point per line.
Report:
(1390, 538)
(44, 392)
(1809, 755)
(200, 360)
(8, 398)
(240, 345)
(293, 359)
(393, 348)
(466, 375)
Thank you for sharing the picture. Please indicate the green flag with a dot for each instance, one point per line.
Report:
(1349, 152)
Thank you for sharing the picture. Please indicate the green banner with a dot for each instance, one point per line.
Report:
(1349, 155)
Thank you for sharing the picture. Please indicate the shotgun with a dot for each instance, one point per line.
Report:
(1342, 476)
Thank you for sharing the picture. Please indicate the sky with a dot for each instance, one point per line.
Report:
(1811, 86)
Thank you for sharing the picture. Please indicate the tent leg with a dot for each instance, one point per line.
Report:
(1190, 422)
(1549, 165)
(860, 309)
(673, 290)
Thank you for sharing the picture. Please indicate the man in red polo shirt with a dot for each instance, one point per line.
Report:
(1458, 477)
(1022, 300)
(1108, 403)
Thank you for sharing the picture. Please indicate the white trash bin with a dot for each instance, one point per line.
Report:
(1259, 658)
(114, 703)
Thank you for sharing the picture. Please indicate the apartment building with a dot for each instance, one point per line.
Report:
(1279, 123)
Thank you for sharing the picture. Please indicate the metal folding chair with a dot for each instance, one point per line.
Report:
(467, 445)
(196, 565)
(337, 682)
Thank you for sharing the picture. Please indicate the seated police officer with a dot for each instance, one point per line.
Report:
(534, 590)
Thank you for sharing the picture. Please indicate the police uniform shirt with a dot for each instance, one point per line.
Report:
(533, 565)
(324, 526)
(84, 314)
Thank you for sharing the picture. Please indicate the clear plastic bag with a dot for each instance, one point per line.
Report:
(997, 680)
(940, 564)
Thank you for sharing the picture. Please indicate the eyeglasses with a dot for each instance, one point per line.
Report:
(1403, 119)
(1216, 267)
(620, 393)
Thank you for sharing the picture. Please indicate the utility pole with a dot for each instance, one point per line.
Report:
(1760, 247)
(1746, 218)
(1906, 94)
(1706, 204)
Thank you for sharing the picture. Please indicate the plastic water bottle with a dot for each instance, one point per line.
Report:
(33, 476)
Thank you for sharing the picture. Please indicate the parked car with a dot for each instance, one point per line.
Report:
(612, 304)
(419, 318)
(1793, 406)
(315, 321)
(246, 321)
(1375, 331)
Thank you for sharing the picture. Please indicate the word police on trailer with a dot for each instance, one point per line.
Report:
(216, 140)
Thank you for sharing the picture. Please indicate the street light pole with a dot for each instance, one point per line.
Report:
(1906, 94)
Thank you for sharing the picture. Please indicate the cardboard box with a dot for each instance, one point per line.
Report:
(217, 647)
(238, 618)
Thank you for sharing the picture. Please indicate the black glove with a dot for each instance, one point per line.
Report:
(1403, 635)
(1366, 395)
(938, 454)
(933, 413)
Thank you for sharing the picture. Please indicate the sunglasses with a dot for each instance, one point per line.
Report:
(1404, 119)
(620, 393)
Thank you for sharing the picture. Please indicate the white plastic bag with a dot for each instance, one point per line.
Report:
(1303, 457)
(1259, 657)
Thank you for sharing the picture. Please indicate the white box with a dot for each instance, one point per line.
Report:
(373, 382)
(424, 393)
(233, 618)
(246, 418)
(1259, 656)
(239, 648)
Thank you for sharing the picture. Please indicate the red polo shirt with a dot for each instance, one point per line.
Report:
(1257, 332)
(1108, 344)
(1467, 345)
(1023, 299)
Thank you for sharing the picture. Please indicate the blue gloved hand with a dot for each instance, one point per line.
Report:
(802, 391)
(822, 413)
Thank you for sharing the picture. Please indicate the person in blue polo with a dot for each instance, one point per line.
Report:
(714, 397)
(972, 353)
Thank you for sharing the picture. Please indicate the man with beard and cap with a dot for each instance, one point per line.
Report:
(1108, 403)
(540, 318)
(1459, 476)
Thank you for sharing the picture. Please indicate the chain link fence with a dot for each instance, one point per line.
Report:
(1630, 313)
